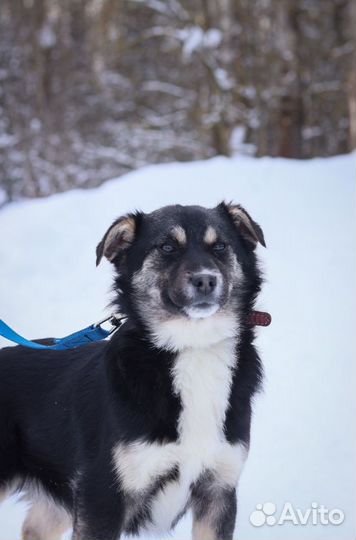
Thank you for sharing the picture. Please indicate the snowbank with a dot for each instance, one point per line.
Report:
(303, 437)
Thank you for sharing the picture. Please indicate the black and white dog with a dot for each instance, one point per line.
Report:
(124, 436)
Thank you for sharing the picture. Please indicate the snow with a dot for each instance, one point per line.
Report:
(194, 38)
(6, 140)
(167, 88)
(303, 433)
(47, 37)
(238, 144)
(222, 79)
(213, 37)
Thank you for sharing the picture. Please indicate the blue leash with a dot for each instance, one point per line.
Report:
(90, 334)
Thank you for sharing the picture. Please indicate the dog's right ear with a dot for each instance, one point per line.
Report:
(118, 237)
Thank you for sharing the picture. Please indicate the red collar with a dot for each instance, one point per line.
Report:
(259, 318)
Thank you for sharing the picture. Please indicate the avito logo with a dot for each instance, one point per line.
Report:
(266, 514)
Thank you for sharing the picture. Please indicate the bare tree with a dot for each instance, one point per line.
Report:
(93, 88)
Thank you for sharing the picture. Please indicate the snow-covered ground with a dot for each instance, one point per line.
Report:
(303, 437)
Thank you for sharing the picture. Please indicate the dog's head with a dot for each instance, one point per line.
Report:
(183, 263)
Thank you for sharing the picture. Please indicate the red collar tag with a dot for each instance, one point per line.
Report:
(259, 318)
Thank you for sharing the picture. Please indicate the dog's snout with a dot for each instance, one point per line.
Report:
(204, 283)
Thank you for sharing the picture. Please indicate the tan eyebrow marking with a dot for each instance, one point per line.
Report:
(210, 235)
(179, 234)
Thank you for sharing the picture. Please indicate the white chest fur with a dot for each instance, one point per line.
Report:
(202, 378)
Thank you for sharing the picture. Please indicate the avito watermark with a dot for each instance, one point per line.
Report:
(317, 514)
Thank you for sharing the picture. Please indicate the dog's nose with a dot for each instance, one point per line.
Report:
(204, 283)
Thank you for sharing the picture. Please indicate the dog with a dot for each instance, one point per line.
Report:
(126, 435)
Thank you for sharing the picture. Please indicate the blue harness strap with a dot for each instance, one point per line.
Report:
(90, 334)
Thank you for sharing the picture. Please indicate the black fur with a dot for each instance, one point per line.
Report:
(62, 412)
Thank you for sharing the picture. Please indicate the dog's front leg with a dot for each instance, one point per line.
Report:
(97, 520)
(99, 508)
(214, 511)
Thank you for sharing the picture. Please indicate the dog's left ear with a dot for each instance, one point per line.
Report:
(118, 237)
(249, 229)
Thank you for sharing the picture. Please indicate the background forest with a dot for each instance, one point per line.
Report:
(91, 89)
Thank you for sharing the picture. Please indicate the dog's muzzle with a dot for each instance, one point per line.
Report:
(204, 291)
(204, 286)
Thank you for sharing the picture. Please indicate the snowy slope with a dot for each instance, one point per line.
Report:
(303, 437)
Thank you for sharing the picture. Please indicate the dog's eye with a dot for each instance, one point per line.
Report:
(220, 246)
(168, 248)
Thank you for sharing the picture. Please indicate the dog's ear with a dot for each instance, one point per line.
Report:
(248, 228)
(118, 237)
